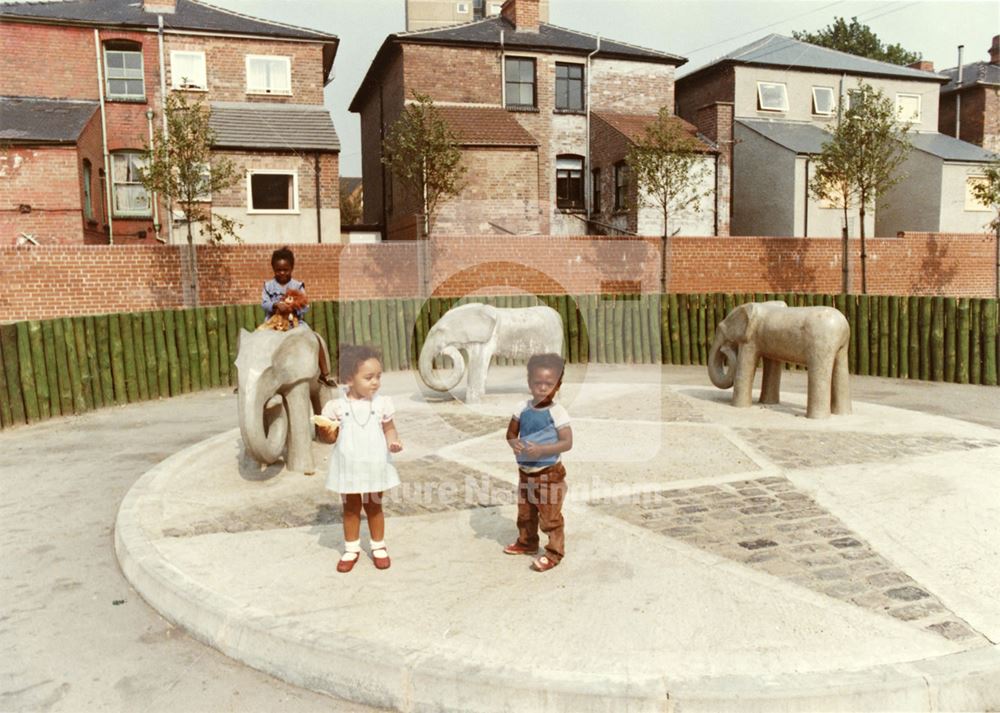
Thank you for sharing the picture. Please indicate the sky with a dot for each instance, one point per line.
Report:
(700, 30)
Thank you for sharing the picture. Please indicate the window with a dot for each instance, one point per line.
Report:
(971, 202)
(130, 196)
(187, 70)
(621, 186)
(88, 204)
(771, 96)
(269, 75)
(569, 86)
(908, 108)
(520, 82)
(823, 101)
(495, 8)
(205, 187)
(462, 8)
(478, 9)
(273, 191)
(123, 71)
(595, 190)
(569, 182)
(854, 97)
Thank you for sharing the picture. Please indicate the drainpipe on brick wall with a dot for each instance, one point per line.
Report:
(503, 75)
(319, 225)
(958, 95)
(104, 137)
(163, 103)
(716, 191)
(588, 170)
(156, 203)
(805, 205)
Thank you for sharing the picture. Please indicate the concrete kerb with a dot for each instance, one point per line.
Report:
(409, 679)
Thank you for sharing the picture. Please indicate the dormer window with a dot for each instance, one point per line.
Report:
(269, 74)
(824, 101)
(123, 75)
(187, 70)
(772, 96)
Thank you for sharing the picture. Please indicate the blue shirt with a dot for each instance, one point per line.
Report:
(540, 426)
(275, 292)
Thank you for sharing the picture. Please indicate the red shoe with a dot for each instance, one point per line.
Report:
(344, 566)
(518, 549)
(381, 562)
(544, 564)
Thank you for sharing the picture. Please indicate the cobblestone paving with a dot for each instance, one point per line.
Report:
(804, 449)
(429, 485)
(769, 525)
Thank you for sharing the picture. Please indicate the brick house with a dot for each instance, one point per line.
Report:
(785, 95)
(521, 96)
(977, 97)
(72, 136)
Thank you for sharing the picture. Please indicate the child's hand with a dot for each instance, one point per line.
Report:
(516, 445)
(395, 446)
(327, 434)
(530, 450)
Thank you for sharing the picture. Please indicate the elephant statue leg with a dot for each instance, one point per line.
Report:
(299, 407)
(841, 384)
(746, 367)
(770, 390)
(818, 400)
(479, 367)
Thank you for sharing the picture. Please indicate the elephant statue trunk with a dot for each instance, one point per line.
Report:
(721, 362)
(432, 348)
(264, 429)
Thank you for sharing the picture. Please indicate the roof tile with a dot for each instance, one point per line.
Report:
(485, 126)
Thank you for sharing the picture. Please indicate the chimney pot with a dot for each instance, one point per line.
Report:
(995, 50)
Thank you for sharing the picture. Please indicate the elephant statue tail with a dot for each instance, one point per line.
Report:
(431, 350)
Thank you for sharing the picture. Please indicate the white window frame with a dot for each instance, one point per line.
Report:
(495, 8)
(175, 76)
(273, 171)
(127, 213)
(462, 8)
(126, 75)
(265, 90)
(760, 96)
(914, 119)
(972, 203)
(833, 102)
(88, 199)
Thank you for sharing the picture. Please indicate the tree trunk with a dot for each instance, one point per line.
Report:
(846, 256)
(864, 254)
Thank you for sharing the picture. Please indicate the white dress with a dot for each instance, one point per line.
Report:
(360, 461)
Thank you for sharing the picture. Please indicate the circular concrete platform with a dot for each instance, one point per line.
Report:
(717, 559)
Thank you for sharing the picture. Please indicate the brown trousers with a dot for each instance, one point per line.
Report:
(539, 503)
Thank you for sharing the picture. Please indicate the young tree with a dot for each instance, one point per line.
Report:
(669, 171)
(350, 207)
(422, 151)
(180, 166)
(861, 161)
(987, 192)
(858, 39)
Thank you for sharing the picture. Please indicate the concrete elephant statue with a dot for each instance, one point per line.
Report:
(283, 364)
(482, 331)
(817, 337)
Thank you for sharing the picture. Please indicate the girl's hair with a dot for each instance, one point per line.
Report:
(283, 254)
(352, 357)
(547, 361)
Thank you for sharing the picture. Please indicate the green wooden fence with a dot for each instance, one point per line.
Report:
(71, 365)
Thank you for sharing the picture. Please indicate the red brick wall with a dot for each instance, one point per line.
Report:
(75, 280)
(607, 147)
(303, 163)
(452, 74)
(46, 180)
(89, 148)
(225, 64)
(717, 85)
(980, 116)
(70, 67)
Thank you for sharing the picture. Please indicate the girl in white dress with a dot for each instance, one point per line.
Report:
(360, 466)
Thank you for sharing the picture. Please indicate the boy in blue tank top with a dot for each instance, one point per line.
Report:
(538, 432)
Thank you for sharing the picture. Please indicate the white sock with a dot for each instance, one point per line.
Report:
(352, 550)
(379, 545)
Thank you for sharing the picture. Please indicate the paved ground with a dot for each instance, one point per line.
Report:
(817, 524)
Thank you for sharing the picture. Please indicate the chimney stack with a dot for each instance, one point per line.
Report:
(924, 65)
(995, 50)
(160, 7)
(523, 14)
